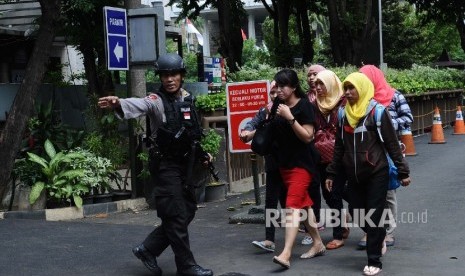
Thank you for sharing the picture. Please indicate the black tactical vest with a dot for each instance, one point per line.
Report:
(181, 129)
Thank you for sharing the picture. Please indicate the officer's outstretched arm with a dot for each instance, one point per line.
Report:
(109, 102)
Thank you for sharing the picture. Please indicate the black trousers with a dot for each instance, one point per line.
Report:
(275, 191)
(176, 207)
(369, 195)
(334, 198)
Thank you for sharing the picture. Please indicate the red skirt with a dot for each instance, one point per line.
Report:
(297, 181)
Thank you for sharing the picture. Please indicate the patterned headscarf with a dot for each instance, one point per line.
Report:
(383, 91)
(334, 91)
(365, 91)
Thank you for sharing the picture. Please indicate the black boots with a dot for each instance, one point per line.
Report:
(195, 270)
(148, 259)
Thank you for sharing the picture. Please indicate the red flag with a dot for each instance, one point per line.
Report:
(244, 37)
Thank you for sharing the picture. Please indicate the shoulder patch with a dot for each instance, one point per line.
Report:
(152, 96)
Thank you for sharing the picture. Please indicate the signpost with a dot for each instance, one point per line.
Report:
(243, 99)
(116, 38)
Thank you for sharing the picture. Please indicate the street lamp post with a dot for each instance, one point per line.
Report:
(380, 24)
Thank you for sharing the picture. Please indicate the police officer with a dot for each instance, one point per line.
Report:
(175, 132)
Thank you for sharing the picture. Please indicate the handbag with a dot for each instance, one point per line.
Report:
(324, 143)
(262, 142)
(263, 139)
(394, 182)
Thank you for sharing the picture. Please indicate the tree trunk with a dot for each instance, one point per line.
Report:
(350, 41)
(231, 43)
(307, 44)
(283, 55)
(461, 29)
(23, 105)
(93, 85)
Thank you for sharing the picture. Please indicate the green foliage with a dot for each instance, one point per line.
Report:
(210, 102)
(291, 51)
(103, 138)
(408, 40)
(60, 179)
(113, 148)
(253, 73)
(46, 125)
(144, 158)
(421, 79)
(253, 55)
(98, 171)
(211, 142)
(27, 172)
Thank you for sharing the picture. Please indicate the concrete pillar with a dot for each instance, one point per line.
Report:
(251, 27)
(206, 38)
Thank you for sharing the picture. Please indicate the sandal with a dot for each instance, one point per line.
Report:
(334, 244)
(283, 263)
(371, 270)
(314, 253)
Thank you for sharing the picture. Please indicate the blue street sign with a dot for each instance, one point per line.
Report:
(116, 37)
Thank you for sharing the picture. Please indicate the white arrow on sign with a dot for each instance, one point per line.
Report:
(118, 51)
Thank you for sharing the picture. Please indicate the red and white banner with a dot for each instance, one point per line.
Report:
(193, 30)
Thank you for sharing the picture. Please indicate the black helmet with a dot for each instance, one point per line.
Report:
(170, 63)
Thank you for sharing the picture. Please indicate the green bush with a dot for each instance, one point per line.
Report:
(210, 102)
(211, 142)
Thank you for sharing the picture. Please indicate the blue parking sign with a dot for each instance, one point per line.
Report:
(116, 38)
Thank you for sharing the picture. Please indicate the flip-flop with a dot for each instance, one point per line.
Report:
(285, 264)
(334, 245)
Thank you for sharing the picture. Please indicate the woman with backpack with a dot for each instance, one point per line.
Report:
(360, 150)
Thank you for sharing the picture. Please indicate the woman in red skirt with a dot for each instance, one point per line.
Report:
(293, 132)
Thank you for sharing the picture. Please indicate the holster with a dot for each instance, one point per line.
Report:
(155, 157)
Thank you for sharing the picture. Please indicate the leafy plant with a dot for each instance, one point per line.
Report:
(211, 142)
(210, 102)
(144, 158)
(98, 171)
(27, 172)
(60, 179)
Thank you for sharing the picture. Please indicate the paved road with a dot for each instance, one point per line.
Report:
(429, 236)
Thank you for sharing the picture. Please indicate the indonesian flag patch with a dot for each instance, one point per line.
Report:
(186, 111)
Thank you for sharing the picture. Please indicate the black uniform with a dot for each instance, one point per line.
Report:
(176, 131)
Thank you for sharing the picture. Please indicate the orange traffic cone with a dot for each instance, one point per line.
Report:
(437, 134)
(459, 126)
(407, 139)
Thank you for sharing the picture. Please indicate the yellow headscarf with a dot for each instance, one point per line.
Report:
(334, 91)
(365, 90)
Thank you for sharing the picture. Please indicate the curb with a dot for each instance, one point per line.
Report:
(254, 214)
(70, 213)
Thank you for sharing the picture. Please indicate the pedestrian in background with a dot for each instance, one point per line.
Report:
(275, 190)
(314, 188)
(402, 118)
(174, 148)
(360, 152)
(329, 98)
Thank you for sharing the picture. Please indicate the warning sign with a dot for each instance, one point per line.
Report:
(243, 99)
